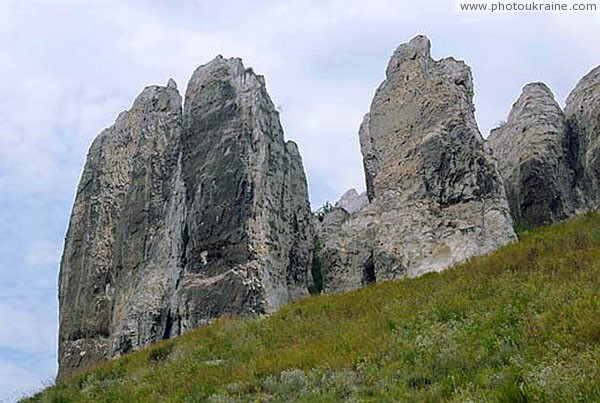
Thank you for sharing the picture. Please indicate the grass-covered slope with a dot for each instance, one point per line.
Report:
(522, 324)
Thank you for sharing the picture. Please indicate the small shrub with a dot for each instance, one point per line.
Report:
(106, 372)
(511, 388)
(316, 268)
(418, 382)
(446, 313)
(324, 210)
(160, 353)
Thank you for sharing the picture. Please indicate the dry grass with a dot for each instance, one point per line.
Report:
(521, 324)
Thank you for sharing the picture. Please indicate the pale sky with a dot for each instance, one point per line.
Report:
(68, 67)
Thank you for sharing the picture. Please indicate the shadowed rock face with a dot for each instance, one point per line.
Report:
(531, 150)
(246, 196)
(435, 196)
(549, 159)
(117, 228)
(582, 113)
(183, 217)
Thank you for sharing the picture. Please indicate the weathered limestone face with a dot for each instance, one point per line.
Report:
(116, 231)
(345, 236)
(549, 159)
(532, 154)
(183, 217)
(582, 113)
(247, 234)
(352, 201)
(435, 195)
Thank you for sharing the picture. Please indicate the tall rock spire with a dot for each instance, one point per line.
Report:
(436, 197)
(550, 160)
(530, 149)
(117, 229)
(582, 112)
(183, 217)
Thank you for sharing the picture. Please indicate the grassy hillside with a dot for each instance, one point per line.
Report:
(522, 324)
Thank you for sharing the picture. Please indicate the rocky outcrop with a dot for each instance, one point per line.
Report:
(181, 217)
(532, 154)
(117, 228)
(352, 201)
(435, 195)
(345, 253)
(549, 159)
(582, 112)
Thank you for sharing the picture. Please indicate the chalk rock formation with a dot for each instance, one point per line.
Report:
(346, 254)
(550, 160)
(532, 153)
(352, 201)
(117, 227)
(180, 218)
(435, 195)
(582, 112)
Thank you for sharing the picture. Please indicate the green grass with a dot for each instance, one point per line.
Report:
(521, 324)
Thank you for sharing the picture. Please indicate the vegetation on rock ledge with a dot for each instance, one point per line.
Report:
(521, 324)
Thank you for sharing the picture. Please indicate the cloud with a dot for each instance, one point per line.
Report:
(29, 333)
(42, 254)
(17, 382)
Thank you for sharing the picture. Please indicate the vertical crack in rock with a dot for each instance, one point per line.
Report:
(181, 217)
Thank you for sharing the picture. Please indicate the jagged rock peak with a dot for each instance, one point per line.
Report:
(534, 94)
(418, 48)
(536, 104)
(532, 157)
(421, 43)
(117, 222)
(435, 96)
(550, 160)
(414, 59)
(246, 186)
(232, 69)
(157, 98)
(537, 86)
(587, 87)
(352, 201)
(435, 195)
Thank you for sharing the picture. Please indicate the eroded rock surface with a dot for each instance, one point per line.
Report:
(436, 197)
(582, 111)
(532, 154)
(549, 159)
(352, 201)
(116, 225)
(182, 217)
